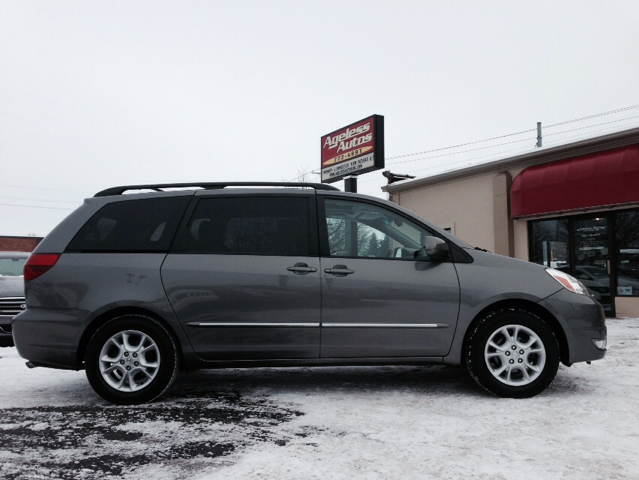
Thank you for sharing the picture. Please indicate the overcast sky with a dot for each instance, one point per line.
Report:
(98, 94)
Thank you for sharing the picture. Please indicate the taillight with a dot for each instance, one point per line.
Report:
(39, 263)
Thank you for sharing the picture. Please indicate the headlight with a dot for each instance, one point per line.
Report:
(600, 343)
(571, 283)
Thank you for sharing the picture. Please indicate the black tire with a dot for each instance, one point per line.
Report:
(143, 360)
(513, 353)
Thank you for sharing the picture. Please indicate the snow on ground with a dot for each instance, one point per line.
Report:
(328, 423)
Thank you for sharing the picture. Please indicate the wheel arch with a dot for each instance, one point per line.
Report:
(531, 307)
(105, 317)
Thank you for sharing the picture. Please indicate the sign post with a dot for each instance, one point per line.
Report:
(350, 184)
(353, 150)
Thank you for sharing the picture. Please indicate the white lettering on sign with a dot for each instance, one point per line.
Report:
(345, 140)
(350, 166)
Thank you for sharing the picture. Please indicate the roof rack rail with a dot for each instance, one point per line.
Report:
(210, 186)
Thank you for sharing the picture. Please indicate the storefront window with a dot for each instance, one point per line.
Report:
(592, 257)
(605, 261)
(627, 246)
(550, 243)
(583, 240)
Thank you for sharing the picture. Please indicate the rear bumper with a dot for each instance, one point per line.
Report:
(49, 337)
(583, 322)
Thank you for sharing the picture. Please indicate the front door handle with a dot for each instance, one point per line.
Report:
(301, 269)
(339, 270)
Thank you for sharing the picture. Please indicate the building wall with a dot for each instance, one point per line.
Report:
(521, 239)
(18, 244)
(627, 307)
(520, 227)
(466, 206)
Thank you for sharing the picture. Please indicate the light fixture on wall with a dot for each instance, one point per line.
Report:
(395, 177)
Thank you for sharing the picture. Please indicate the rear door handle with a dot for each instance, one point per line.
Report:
(339, 270)
(301, 269)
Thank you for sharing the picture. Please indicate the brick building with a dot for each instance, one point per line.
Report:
(18, 244)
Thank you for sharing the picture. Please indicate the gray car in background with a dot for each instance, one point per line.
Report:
(131, 287)
(11, 292)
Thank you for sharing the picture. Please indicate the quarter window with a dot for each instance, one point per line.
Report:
(146, 225)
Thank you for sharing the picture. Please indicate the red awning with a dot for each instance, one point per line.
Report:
(600, 179)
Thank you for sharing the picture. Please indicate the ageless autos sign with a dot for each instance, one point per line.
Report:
(353, 150)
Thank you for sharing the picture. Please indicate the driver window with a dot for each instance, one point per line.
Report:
(357, 229)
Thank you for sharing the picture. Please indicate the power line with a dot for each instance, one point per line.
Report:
(299, 177)
(35, 206)
(588, 135)
(516, 141)
(592, 126)
(461, 145)
(41, 200)
(48, 189)
(592, 116)
(470, 160)
(516, 133)
(463, 151)
(509, 151)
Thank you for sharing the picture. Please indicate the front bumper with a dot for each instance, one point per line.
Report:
(583, 322)
(50, 337)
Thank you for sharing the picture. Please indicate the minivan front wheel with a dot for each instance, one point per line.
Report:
(131, 359)
(513, 353)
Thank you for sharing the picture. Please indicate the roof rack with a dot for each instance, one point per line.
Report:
(210, 186)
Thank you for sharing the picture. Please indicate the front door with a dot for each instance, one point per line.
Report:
(381, 294)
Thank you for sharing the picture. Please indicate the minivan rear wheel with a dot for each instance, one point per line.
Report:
(513, 353)
(131, 360)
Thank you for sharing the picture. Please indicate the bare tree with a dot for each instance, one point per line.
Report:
(304, 175)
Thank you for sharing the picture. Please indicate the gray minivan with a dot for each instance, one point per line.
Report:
(133, 287)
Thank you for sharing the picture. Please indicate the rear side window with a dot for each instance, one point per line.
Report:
(250, 225)
(131, 226)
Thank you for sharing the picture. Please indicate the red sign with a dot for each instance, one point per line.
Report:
(353, 150)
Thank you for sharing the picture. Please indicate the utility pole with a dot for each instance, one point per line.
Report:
(538, 145)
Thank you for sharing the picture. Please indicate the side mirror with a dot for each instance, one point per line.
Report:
(436, 248)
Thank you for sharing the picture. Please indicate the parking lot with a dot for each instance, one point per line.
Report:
(361, 422)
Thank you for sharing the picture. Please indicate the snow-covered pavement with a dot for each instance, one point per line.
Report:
(342, 423)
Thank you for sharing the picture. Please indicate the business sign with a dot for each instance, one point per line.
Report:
(353, 150)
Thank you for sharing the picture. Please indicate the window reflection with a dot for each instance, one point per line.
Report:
(362, 230)
(550, 243)
(250, 226)
(627, 245)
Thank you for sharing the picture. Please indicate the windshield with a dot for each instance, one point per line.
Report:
(12, 266)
